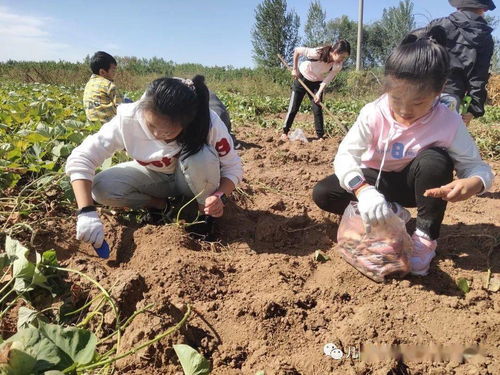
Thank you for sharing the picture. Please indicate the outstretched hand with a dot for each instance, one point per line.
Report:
(463, 189)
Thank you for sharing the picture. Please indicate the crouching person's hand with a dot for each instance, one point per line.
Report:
(214, 206)
(373, 207)
(89, 228)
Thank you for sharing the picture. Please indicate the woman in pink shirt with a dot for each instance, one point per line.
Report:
(405, 143)
(322, 64)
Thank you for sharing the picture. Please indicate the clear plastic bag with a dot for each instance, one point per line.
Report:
(298, 135)
(384, 251)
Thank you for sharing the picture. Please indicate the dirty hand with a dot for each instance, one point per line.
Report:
(373, 207)
(463, 189)
(467, 117)
(213, 206)
(295, 74)
(89, 228)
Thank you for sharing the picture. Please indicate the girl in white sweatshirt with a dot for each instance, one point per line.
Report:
(178, 147)
(405, 143)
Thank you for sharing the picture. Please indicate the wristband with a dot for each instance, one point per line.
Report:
(223, 197)
(85, 209)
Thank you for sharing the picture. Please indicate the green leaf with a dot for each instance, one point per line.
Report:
(320, 257)
(463, 284)
(192, 362)
(14, 248)
(30, 352)
(77, 344)
(49, 258)
(26, 317)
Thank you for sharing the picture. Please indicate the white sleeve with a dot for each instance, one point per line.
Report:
(96, 148)
(467, 160)
(230, 162)
(347, 163)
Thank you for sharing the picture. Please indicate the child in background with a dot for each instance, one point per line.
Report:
(321, 66)
(470, 45)
(101, 97)
(404, 143)
(178, 147)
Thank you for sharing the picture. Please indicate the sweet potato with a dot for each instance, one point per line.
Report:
(437, 192)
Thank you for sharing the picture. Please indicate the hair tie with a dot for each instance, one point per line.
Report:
(186, 81)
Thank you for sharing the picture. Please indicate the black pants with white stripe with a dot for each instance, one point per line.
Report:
(298, 93)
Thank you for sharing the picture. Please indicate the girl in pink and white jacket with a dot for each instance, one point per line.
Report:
(404, 143)
(178, 146)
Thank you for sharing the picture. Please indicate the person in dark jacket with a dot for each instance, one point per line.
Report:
(218, 107)
(470, 46)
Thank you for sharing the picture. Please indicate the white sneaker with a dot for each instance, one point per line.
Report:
(424, 250)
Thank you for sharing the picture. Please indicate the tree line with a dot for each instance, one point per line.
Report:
(276, 31)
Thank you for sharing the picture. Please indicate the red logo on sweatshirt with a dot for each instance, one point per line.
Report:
(223, 147)
(163, 163)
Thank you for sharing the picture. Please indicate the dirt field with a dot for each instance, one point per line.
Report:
(262, 302)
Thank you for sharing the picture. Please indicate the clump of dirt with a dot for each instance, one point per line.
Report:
(261, 302)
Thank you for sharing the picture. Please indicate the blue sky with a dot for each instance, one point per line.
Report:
(215, 32)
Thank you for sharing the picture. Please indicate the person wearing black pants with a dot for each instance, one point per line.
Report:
(298, 92)
(431, 168)
(319, 68)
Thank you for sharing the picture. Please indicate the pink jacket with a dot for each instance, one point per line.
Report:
(378, 141)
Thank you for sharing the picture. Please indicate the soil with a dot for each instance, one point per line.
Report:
(261, 302)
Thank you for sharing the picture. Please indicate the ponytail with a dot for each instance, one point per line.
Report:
(340, 46)
(195, 134)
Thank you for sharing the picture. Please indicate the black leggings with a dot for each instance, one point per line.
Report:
(431, 168)
(298, 92)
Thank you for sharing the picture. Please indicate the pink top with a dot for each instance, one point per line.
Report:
(316, 71)
(378, 141)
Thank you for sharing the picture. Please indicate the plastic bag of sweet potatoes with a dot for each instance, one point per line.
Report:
(382, 252)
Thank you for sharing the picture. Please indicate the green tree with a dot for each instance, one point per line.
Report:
(276, 31)
(315, 28)
(396, 22)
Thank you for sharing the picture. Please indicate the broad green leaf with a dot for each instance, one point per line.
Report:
(26, 317)
(192, 362)
(108, 163)
(463, 285)
(31, 352)
(77, 344)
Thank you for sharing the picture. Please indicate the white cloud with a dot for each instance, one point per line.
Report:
(25, 37)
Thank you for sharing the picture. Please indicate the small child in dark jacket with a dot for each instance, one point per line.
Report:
(470, 46)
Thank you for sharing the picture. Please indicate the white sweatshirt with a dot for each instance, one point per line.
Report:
(128, 131)
(378, 141)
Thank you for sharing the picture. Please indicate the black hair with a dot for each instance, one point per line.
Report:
(180, 102)
(420, 58)
(101, 60)
(340, 46)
